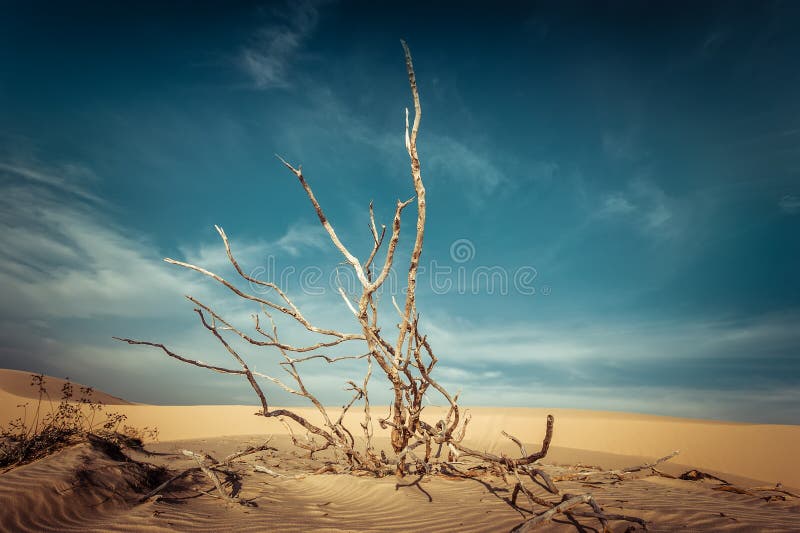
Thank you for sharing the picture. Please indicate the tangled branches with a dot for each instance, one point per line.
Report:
(406, 361)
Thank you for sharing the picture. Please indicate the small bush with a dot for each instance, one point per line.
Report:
(70, 421)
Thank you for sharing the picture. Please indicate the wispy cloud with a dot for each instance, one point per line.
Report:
(616, 204)
(790, 204)
(267, 59)
(709, 368)
(644, 203)
(303, 236)
(59, 257)
(658, 212)
(757, 405)
(69, 178)
(611, 340)
(475, 171)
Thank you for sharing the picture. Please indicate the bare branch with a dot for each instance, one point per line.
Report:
(210, 473)
(353, 260)
(265, 470)
(328, 359)
(167, 351)
(285, 310)
(516, 441)
(341, 337)
(419, 188)
(247, 372)
(618, 473)
(166, 484)
(348, 302)
(562, 507)
(250, 278)
(777, 488)
(378, 240)
(390, 250)
(518, 462)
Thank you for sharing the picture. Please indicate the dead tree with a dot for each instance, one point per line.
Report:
(407, 361)
(405, 358)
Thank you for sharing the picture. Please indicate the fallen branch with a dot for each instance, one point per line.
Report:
(749, 492)
(620, 473)
(777, 488)
(216, 464)
(265, 470)
(210, 473)
(532, 498)
(522, 461)
(562, 508)
(661, 473)
(249, 451)
(549, 484)
(166, 484)
(735, 490)
(611, 516)
(697, 475)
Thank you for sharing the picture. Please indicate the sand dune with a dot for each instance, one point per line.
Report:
(84, 488)
(18, 383)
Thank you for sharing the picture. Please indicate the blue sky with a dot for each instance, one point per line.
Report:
(632, 170)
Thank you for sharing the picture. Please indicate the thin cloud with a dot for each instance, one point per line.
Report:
(645, 204)
(611, 340)
(303, 236)
(69, 178)
(658, 213)
(616, 204)
(758, 405)
(61, 258)
(790, 204)
(267, 59)
(475, 172)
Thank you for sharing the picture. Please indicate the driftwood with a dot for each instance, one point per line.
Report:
(620, 473)
(265, 470)
(749, 492)
(777, 488)
(734, 489)
(725, 486)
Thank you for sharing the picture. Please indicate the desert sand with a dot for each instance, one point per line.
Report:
(86, 488)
